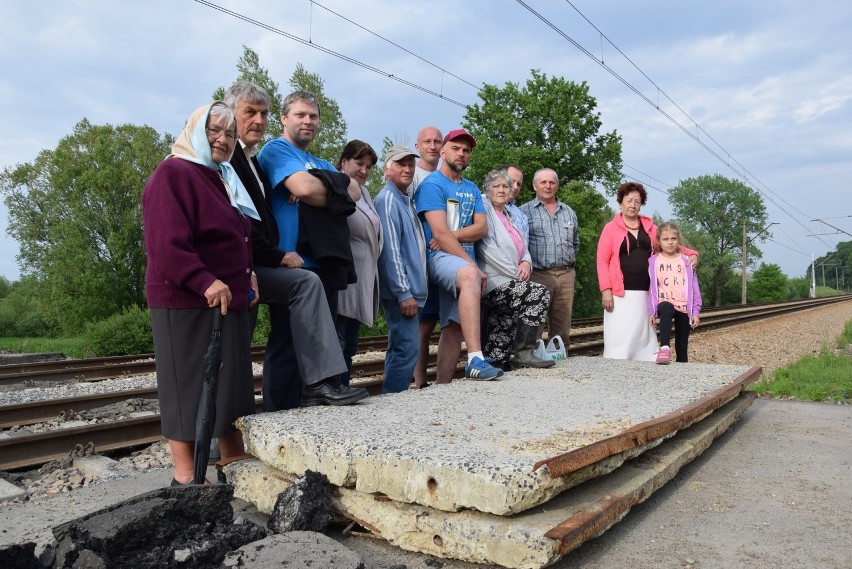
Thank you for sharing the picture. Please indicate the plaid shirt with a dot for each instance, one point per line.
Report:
(554, 239)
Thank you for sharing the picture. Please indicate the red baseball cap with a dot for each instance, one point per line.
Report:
(460, 133)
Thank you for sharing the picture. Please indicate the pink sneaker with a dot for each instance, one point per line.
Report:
(664, 356)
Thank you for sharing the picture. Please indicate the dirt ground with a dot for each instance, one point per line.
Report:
(772, 492)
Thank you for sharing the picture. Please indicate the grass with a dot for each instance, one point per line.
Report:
(823, 291)
(71, 347)
(826, 376)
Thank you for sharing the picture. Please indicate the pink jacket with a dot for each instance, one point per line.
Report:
(609, 265)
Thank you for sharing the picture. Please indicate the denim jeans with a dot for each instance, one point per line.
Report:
(348, 331)
(403, 348)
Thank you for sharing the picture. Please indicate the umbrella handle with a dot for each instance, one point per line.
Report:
(217, 319)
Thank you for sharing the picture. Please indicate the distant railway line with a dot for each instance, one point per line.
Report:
(21, 448)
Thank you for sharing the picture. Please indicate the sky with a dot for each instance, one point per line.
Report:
(759, 91)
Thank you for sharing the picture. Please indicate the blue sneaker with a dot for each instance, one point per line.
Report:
(481, 370)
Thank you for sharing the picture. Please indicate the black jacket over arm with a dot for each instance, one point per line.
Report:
(264, 233)
(324, 232)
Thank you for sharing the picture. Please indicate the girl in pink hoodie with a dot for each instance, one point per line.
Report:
(674, 295)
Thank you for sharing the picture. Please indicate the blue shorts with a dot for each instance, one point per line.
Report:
(442, 269)
(431, 310)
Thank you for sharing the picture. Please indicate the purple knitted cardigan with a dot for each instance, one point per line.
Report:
(193, 236)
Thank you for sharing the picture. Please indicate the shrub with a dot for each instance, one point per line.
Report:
(262, 327)
(379, 327)
(128, 332)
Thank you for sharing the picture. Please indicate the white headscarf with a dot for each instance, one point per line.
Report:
(192, 145)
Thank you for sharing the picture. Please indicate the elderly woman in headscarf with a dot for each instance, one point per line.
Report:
(198, 241)
(516, 307)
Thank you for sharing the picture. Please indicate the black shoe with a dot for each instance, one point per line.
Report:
(190, 483)
(330, 392)
(215, 453)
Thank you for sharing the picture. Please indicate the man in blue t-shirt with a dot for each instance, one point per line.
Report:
(285, 161)
(453, 216)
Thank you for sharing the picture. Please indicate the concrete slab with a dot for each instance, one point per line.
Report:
(500, 447)
(530, 540)
(98, 466)
(9, 491)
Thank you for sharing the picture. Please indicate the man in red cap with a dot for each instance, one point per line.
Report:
(453, 217)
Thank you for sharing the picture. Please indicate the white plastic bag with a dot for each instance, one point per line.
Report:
(556, 349)
(540, 350)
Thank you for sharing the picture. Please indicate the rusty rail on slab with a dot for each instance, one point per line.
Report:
(653, 429)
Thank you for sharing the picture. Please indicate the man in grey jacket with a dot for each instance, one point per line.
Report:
(402, 268)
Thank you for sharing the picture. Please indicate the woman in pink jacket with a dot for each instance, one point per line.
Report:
(625, 245)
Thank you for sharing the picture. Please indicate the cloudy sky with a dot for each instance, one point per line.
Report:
(765, 85)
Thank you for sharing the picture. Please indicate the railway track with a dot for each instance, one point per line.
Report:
(21, 449)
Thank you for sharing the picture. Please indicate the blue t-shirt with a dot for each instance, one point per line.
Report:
(279, 159)
(459, 200)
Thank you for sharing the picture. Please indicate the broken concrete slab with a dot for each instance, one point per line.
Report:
(530, 540)
(9, 491)
(98, 466)
(298, 548)
(487, 446)
(192, 526)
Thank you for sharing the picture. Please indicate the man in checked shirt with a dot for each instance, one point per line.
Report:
(553, 242)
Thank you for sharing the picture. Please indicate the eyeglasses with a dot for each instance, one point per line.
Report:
(214, 133)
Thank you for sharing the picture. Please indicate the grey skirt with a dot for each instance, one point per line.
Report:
(181, 337)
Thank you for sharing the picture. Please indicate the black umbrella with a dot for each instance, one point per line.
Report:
(206, 417)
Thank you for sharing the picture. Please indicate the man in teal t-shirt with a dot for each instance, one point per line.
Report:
(453, 216)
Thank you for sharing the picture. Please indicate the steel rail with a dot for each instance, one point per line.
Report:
(45, 410)
(117, 366)
(25, 450)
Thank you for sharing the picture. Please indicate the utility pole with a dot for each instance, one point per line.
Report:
(745, 261)
(813, 276)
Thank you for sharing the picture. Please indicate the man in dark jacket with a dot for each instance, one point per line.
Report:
(303, 355)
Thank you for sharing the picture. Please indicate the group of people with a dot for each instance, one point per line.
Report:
(226, 227)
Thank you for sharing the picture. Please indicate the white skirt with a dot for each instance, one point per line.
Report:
(628, 334)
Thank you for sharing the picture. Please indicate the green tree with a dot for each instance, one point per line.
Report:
(552, 123)
(249, 69)
(331, 137)
(547, 123)
(21, 313)
(799, 287)
(833, 268)
(76, 214)
(696, 238)
(592, 214)
(718, 207)
(5, 287)
(767, 284)
(376, 181)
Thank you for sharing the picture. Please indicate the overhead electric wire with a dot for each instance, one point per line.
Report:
(396, 45)
(650, 177)
(678, 107)
(323, 49)
(742, 172)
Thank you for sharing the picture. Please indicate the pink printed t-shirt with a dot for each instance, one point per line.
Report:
(513, 233)
(671, 281)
